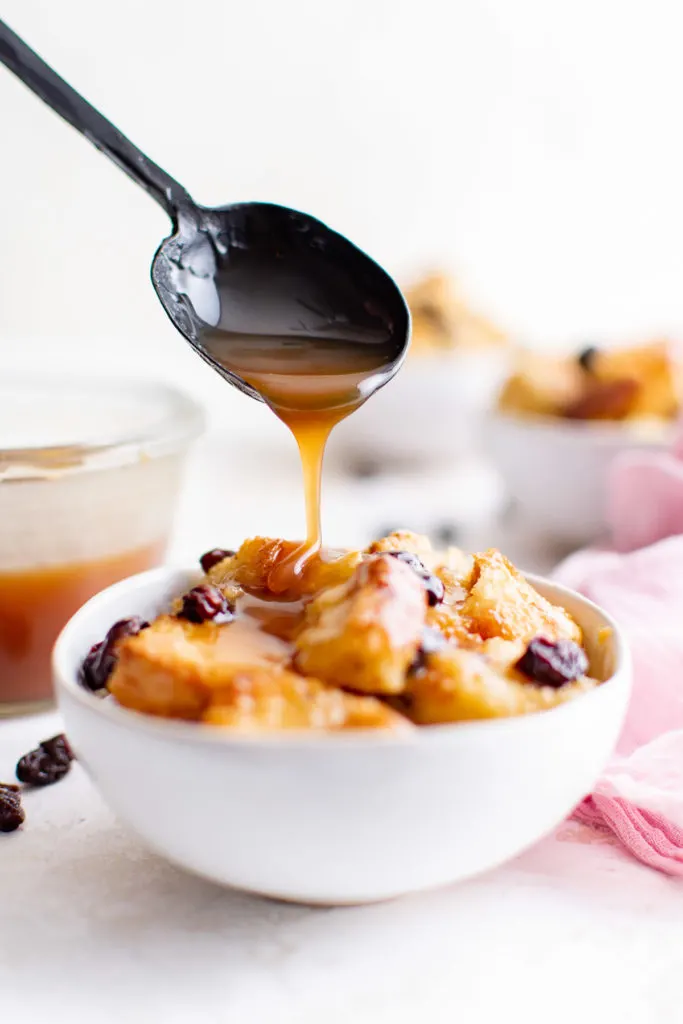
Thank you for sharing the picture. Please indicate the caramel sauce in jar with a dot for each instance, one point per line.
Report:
(34, 606)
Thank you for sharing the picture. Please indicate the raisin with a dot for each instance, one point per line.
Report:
(91, 671)
(100, 660)
(48, 763)
(11, 811)
(432, 584)
(586, 358)
(431, 641)
(605, 400)
(206, 603)
(435, 589)
(553, 662)
(213, 557)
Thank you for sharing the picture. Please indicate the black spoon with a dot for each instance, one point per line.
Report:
(250, 269)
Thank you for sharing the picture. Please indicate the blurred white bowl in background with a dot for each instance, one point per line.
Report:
(431, 411)
(555, 471)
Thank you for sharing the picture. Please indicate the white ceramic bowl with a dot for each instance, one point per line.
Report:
(556, 471)
(430, 411)
(346, 818)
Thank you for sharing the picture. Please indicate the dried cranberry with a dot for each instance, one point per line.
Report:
(213, 557)
(47, 763)
(432, 584)
(586, 358)
(11, 811)
(435, 589)
(553, 662)
(431, 641)
(206, 603)
(100, 660)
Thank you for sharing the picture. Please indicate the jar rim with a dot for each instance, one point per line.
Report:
(89, 423)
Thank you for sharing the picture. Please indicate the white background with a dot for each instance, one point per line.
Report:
(533, 147)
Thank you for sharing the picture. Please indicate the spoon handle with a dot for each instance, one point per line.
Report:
(58, 94)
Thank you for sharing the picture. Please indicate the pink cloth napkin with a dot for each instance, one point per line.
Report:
(640, 582)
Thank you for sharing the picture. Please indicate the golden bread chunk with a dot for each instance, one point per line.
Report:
(251, 566)
(449, 621)
(605, 400)
(402, 540)
(460, 685)
(542, 385)
(640, 382)
(654, 369)
(455, 568)
(502, 604)
(264, 700)
(365, 633)
(252, 563)
(443, 320)
(175, 667)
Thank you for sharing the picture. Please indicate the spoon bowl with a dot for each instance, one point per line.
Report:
(248, 271)
(258, 270)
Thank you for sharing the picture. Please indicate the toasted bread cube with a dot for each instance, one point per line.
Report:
(263, 700)
(365, 633)
(453, 566)
(502, 603)
(449, 621)
(402, 540)
(443, 320)
(252, 563)
(605, 400)
(542, 385)
(251, 566)
(655, 370)
(174, 667)
(455, 569)
(460, 685)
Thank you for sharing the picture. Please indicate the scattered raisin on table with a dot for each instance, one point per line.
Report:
(553, 662)
(432, 640)
(100, 660)
(206, 603)
(48, 763)
(432, 584)
(11, 811)
(213, 557)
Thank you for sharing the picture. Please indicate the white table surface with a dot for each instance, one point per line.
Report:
(94, 928)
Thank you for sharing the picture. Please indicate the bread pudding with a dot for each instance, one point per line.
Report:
(638, 383)
(443, 320)
(391, 637)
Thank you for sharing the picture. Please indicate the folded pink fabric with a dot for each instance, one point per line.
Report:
(640, 582)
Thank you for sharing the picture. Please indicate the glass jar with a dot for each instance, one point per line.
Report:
(90, 474)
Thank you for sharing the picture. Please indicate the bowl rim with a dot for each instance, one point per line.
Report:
(189, 732)
(621, 432)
